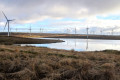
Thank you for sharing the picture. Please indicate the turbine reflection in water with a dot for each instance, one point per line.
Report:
(86, 44)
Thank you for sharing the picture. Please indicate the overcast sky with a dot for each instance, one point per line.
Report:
(59, 13)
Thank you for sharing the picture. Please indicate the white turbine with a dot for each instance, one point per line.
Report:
(16, 30)
(75, 30)
(7, 23)
(30, 30)
(87, 31)
(101, 32)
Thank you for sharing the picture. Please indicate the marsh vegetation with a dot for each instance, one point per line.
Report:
(32, 63)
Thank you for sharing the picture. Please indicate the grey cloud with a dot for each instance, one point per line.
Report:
(34, 10)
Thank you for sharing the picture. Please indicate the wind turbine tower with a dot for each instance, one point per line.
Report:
(93, 32)
(101, 32)
(68, 31)
(30, 30)
(112, 31)
(75, 30)
(7, 23)
(10, 30)
(40, 30)
(87, 31)
(16, 30)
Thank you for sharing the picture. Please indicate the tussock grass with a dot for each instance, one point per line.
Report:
(32, 63)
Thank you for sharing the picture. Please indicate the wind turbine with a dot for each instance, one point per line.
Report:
(75, 30)
(16, 30)
(40, 30)
(101, 32)
(30, 30)
(112, 31)
(7, 23)
(68, 31)
(87, 31)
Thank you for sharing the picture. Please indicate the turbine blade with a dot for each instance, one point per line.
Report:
(4, 15)
(5, 25)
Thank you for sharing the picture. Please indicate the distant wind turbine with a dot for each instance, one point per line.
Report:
(68, 31)
(75, 30)
(7, 23)
(30, 30)
(40, 30)
(93, 32)
(16, 30)
(112, 31)
(87, 31)
(101, 32)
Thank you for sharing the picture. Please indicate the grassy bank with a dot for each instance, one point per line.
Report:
(77, 36)
(53, 35)
(33, 63)
(20, 40)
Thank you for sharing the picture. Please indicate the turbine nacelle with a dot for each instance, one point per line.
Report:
(11, 20)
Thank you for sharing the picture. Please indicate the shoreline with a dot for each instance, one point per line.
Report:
(21, 40)
(53, 35)
(100, 37)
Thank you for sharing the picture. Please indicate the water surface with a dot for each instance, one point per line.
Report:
(82, 44)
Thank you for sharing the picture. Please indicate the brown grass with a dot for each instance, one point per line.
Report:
(32, 63)
(20, 40)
